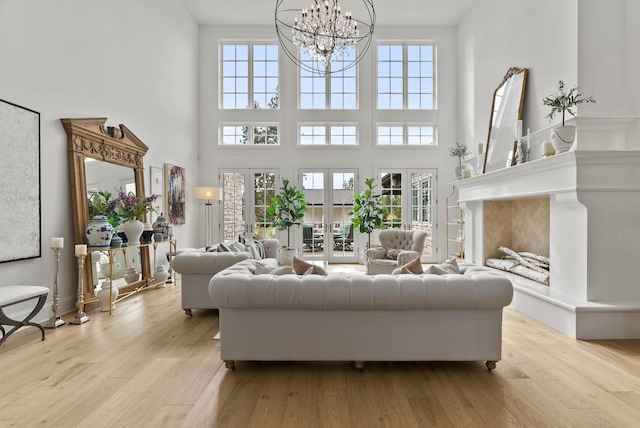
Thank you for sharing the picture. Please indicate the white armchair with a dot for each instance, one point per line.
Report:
(397, 247)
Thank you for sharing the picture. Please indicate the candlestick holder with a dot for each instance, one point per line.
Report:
(80, 316)
(55, 320)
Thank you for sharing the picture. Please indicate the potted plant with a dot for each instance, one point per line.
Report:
(368, 211)
(103, 220)
(133, 207)
(460, 151)
(287, 210)
(563, 101)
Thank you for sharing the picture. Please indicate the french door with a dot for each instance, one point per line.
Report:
(409, 200)
(247, 194)
(326, 233)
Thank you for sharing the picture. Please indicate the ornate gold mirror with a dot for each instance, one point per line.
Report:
(102, 156)
(506, 109)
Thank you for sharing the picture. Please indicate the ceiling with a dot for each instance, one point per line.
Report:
(388, 12)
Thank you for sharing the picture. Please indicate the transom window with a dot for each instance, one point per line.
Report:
(244, 134)
(345, 135)
(333, 90)
(406, 76)
(249, 76)
(412, 135)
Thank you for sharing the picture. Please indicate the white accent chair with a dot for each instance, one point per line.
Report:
(407, 243)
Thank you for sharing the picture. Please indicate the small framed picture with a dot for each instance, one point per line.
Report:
(157, 181)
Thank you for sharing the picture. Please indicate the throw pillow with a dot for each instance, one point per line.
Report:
(450, 265)
(262, 268)
(436, 270)
(302, 268)
(238, 247)
(392, 253)
(283, 270)
(252, 249)
(315, 270)
(402, 270)
(260, 248)
(414, 267)
(223, 248)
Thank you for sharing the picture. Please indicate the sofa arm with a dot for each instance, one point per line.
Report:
(406, 256)
(206, 263)
(375, 253)
(271, 248)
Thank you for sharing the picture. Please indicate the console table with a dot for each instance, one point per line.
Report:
(145, 282)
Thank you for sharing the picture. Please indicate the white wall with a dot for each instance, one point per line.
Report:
(590, 43)
(132, 62)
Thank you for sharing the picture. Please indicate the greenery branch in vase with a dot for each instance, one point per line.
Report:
(460, 151)
(368, 212)
(101, 204)
(563, 101)
(132, 208)
(287, 209)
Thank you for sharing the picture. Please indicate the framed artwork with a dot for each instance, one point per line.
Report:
(156, 180)
(20, 221)
(175, 194)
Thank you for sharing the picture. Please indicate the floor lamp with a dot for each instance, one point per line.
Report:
(208, 194)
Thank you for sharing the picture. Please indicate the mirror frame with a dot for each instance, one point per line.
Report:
(116, 145)
(510, 73)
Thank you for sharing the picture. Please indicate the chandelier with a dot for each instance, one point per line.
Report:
(324, 33)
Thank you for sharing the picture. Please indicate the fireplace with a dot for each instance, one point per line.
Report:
(581, 209)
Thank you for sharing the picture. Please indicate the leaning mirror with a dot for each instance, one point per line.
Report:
(506, 110)
(106, 158)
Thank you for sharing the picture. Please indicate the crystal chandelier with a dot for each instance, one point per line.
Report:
(323, 32)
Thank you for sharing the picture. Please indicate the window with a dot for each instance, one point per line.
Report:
(249, 76)
(249, 134)
(333, 90)
(397, 135)
(406, 82)
(335, 135)
(405, 77)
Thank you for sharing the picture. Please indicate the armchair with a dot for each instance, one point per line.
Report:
(408, 244)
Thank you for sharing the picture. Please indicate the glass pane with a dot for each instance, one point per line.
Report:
(391, 190)
(422, 207)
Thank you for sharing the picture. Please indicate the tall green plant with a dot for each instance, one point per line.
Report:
(563, 100)
(368, 211)
(288, 208)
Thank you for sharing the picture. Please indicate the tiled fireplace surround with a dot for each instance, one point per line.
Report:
(582, 209)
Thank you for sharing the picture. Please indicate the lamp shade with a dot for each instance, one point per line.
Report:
(209, 193)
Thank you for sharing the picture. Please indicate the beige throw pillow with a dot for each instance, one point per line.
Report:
(305, 268)
(413, 267)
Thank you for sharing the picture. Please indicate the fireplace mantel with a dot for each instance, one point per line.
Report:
(594, 238)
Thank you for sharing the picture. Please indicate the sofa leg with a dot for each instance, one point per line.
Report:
(491, 365)
(230, 364)
(358, 365)
(188, 312)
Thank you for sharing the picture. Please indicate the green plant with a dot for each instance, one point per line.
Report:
(133, 207)
(368, 211)
(101, 204)
(460, 150)
(288, 208)
(563, 100)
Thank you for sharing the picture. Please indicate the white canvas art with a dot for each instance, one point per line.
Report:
(20, 230)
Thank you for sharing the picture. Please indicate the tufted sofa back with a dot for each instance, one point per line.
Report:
(403, 239)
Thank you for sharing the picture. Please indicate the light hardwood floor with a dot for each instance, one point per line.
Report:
(149, 365)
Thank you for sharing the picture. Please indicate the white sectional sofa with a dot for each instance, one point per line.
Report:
(197, 267)
(357, 317)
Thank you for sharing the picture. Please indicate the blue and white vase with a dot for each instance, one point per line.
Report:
(133, 229)
(161, 225)
(99, 232)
